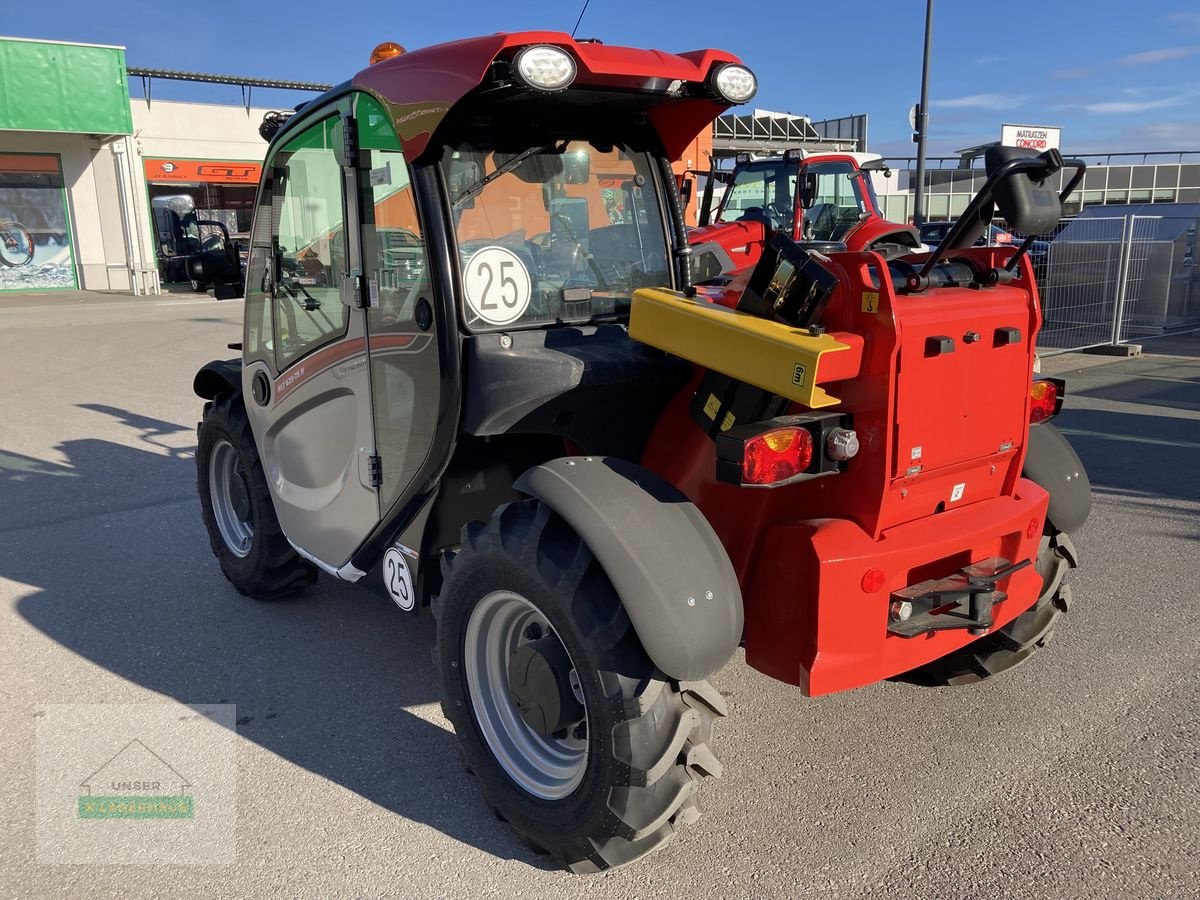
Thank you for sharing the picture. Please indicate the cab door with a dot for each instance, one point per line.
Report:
(404, 361)
(307, 382)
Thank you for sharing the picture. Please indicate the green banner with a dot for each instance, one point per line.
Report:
(177, 807)
(46, 86)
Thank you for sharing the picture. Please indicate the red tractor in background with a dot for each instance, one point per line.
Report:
(823, 200)
(476, 377)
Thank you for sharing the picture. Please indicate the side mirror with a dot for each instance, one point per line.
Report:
(808, 190)
(1025, 199)
(686, 187)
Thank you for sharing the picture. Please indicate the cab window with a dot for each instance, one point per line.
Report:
(840, 201)
(763, 192)
(309, 242)
(561, 232)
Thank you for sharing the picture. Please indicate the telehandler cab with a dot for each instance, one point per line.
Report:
(823, 200)
(475, 375)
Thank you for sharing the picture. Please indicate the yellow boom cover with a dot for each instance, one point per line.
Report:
(770, 355)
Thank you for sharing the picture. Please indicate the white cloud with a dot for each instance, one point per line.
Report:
(1189, 20)
(1163, 54)
(1131, 106)
(981, 101)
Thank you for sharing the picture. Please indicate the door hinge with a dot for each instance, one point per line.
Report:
(349, 154)
(375, 470)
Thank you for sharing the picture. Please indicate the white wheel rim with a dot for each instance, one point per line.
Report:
(547, 767)
(228, 490)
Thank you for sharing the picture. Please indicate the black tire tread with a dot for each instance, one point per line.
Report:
(660, 740)
(1020, 639)
(276, 569)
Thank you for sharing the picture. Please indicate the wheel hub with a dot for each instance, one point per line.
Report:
(539, 676)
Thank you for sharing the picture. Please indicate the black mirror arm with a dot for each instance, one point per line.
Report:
(1032, 165)
(1080, 167)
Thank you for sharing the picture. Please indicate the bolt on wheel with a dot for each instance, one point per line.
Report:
(230, 499)
(526, 695)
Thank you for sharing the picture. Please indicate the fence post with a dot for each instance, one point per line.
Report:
(1122, 277)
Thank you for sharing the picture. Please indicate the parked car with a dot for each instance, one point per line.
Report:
(933, 233)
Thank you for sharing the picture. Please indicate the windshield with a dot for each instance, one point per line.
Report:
(841, 201)
(562, 232)
(761, 191)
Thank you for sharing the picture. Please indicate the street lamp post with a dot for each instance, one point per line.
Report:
(923, 119)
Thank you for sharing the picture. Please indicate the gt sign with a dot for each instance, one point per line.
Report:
(1030, 137)
(213, 171)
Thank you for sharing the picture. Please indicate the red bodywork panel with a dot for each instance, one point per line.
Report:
(801, 550)
(421, 86)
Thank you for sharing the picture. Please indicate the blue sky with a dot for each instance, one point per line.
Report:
(1116, 75)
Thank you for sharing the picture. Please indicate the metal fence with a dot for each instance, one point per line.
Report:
(1118, 279)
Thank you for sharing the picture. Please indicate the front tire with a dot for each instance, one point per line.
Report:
(597, 791)
(1021, 638)
(235, 504)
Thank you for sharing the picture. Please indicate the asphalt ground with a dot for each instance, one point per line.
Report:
(1076, 775)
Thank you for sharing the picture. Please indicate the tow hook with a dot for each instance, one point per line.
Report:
(962, 600)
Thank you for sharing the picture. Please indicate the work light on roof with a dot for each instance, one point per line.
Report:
(735, 83)
(545, 68)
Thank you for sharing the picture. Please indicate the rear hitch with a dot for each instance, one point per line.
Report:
(962, 600)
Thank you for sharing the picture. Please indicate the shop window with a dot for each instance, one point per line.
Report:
(309, 242)
(35, 244)
(1189, 176)
(1143, 177)
(1118, 177)
(1166, 176)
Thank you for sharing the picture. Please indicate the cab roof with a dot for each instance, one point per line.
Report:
(422, 87)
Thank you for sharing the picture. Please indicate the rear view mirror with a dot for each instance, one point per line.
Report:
(577, 167)
(1028, 202)
(808, 190)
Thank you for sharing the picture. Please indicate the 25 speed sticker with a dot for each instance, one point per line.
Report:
(497, 285)
(398, 579)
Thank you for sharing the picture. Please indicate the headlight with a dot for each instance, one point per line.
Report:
(735, 83)
(545, 68)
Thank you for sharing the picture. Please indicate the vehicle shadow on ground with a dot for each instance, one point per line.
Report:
(1138, 453)
(126, 579)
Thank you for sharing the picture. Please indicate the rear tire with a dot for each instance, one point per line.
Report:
(1021, 638)
(235, 503)
(645, 747)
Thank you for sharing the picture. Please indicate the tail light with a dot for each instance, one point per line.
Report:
(1045, 399)
(777, 456)
(782, 450)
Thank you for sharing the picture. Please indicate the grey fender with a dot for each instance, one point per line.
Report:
(1052, 463)
(665, 561)
(221, 376)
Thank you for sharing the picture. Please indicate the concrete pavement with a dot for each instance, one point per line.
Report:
(1076, 775)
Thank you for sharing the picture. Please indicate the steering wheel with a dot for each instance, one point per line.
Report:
(578, 250)
(815, 219)
(781, 215)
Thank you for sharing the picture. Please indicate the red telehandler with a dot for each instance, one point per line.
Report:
(475, 376)
(823, 200)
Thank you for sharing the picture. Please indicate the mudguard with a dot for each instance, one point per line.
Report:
(1051, 463)
(221, 376)
(665, 561)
